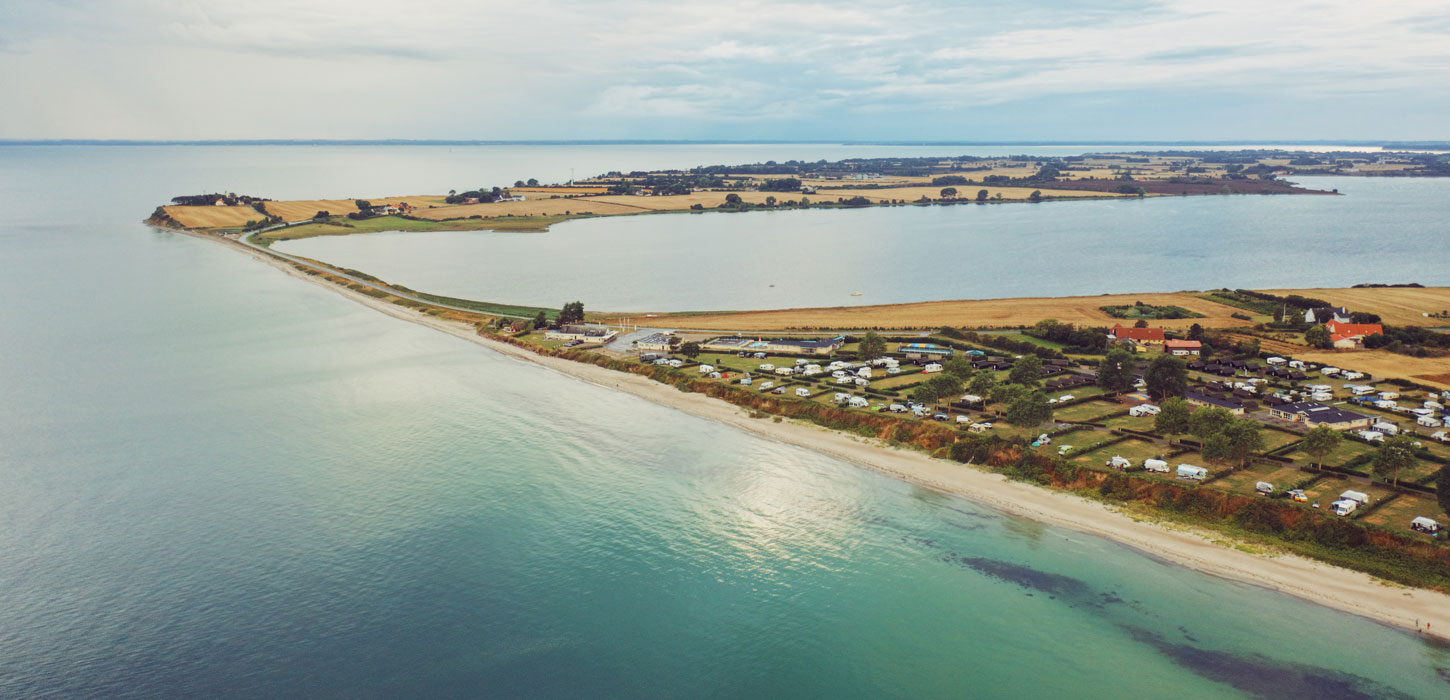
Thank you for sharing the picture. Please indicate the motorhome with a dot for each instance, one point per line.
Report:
(1426, 525)
(1264, 488)
(961, 418)
(1117, 462)
(859, 402)
(1343, 507)
(1155, 465)
(1192, 473)
(802, 391)
(706, 369)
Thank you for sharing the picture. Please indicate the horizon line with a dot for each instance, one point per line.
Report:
(721, 142)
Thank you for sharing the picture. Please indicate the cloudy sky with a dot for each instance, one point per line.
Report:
(737, 69)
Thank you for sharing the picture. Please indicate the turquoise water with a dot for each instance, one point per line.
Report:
(1381, 230)
(216, 481)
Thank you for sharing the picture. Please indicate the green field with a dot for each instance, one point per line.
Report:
(343, 226)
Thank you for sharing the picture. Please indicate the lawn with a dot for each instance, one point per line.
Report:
(1398, 513)
(1243, 481)
(1082, 441)
(1085, 412)
(1133, 450)
(1274, 439)
(1347, 450)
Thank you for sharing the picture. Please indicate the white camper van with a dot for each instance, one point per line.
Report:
(1155, 465)
(1192, 473)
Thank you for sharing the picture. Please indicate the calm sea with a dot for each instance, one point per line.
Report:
(216, 481)
(1379, 230)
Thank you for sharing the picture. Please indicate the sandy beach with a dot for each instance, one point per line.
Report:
(1341, 589)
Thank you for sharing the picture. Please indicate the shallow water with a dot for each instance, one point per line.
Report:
(1380, 230)
(219, 481)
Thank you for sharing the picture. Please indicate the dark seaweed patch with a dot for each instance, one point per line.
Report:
(1264, 677)
(1030, 578)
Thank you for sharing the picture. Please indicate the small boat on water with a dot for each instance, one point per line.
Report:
(855, 294)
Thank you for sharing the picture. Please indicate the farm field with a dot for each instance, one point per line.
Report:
(299, 209)
(965, 313)
(1399, 306)
(1385, 364)
(213, 217)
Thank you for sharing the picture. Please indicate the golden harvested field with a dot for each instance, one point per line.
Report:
(985, 313)
(526, 191)
(213, 217)
(534, 207)
(1399, 306)
(298, 209)
(967, 192)
(1385, 364)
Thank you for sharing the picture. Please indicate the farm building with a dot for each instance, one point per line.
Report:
(1347, 336)
(1139, 339)
(1315, 414)
(1182, 348)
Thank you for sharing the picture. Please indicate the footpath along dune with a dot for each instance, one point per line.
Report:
(1334, 587)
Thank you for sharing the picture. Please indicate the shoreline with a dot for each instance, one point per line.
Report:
(1337, 588)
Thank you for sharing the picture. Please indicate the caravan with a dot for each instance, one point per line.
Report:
(1155, 465)
(1146, 409)
(1343, 507)
(1425, 525)
(1117, 462)
(1190, 472)
(859, 402)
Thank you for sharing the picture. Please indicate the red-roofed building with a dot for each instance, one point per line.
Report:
(1139, 338)
(1182, 347)
(1351, 335)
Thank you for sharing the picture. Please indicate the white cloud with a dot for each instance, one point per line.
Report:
(614, 68)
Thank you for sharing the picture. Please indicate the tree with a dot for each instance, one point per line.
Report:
(1141, 323)
(1172, 418)
(541, 320)
(1208, 422)
(690, 349)
(1028, 409)
(1394, 456)
(1318, 337)
(944, 385)
(732, 198)
(533, 182)
(1008, 393)
(924, 394)
(518, 183)
(959, 367)
(573, 312)
(1243, 438)
(872, 346)
(1036, 196)
(1026, 370)
(948, 192)
(982, 195)
(982, 384)
(1166, 376)
(1442, 488)
(1115, 373)
(1321, 441)
(1195, 332)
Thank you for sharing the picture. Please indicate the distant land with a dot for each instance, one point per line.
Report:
(1387, 145)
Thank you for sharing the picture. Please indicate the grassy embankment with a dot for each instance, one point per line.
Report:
(341, 226)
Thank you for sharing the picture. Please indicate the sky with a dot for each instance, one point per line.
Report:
(1056, 70)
